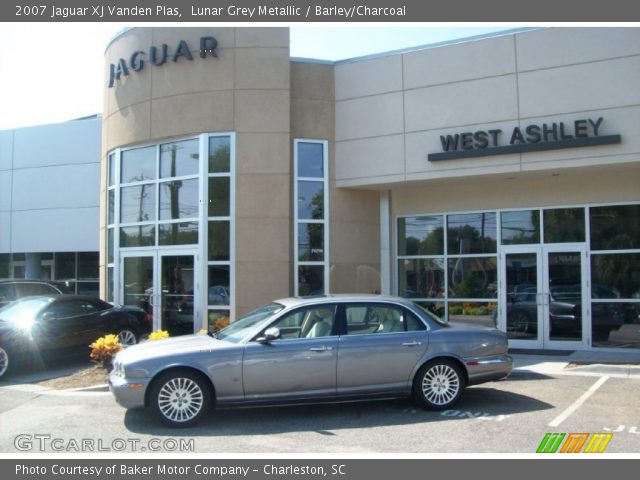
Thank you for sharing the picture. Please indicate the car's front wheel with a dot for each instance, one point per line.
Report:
(180, 398)
(438, 384)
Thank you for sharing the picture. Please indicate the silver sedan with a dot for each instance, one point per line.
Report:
(331, 348)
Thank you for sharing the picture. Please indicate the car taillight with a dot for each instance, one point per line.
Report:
(147, 318)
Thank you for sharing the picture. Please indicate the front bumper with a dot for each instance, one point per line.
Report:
(487, 369)
(129, 392)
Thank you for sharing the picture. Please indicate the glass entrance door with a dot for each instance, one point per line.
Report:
(543, 296)
(164, 284)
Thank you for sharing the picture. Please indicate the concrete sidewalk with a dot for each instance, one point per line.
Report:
(591, 363)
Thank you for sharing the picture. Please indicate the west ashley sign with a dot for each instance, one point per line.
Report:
(159, 56)
(532, 138)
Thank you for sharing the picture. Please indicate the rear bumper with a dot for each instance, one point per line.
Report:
(487, 369)
(129, 393)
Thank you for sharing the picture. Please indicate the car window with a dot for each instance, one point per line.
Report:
(307, 322)
(71, 309)
(362, 319)
(32, 289)
(244, 326)
(7, 293)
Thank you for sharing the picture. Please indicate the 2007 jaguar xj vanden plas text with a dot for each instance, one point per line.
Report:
(329, 348)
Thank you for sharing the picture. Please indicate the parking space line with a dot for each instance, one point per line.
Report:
(575, 405)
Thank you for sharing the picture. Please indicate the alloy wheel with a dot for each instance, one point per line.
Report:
(127, 338)
(4, 362)
(441, 385)
(180, 399)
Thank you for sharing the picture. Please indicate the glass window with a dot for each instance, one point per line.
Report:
(141, 236)
(615, 325)
(310, 200)
(179, 159)
(217, 320)
(138, 165)
(473, 277)
(615, 227)
(179, 199)
(138, 204)
(310, 280)
(365, 319)
(110, 284)
(564, 225)
(311, 242)
(520, 227)
(219, 291)
(471, 233)
(111, 206)
(478, 313)
(88, 265)
(310, 160)
(65, 265)
(421, 278)
(615, 275)
(421, 235)
(4, 265)
(310, 322)
(219, 154)
(111, 169)
(219, 196)
(434, 309)
(219, 240)
(183, 233)
(110, 245)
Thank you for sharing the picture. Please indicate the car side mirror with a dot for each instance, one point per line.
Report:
(48, 317)
(270, 334)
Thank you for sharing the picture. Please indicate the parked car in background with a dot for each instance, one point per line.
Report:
(11, 290)
(35, 328)
(328, 348)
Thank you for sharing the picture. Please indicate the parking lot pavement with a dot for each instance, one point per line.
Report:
(511, 416)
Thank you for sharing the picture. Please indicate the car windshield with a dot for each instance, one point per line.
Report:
(25, 309)
(432, 316)
(242, 327)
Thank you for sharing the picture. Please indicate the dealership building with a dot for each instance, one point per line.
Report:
(494, 180)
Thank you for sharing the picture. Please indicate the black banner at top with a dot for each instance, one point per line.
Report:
(313, 11)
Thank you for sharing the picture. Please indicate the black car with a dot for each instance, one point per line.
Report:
(35, 328)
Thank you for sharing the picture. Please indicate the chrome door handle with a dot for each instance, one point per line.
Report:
(323, 348)
(411, 344)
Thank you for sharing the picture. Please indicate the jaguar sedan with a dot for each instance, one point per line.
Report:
(34, 329)
(331, 348)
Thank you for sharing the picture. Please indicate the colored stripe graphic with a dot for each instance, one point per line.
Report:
(550, 442)
(574, 443)
(598, 442)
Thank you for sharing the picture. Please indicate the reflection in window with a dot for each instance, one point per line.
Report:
(473, 277)
(179, 159)
(138, 204)
(310, 280)
(140, 236)
(179, 199)
(219, 240)
(615, 324)
(615, 275)
(421, 278)
(615, 227)
(66, 266)
(477, 313)
(311, 242)
(421, 235)
(520, 227)
(138, 165)
(471, 233)
(219, 198)
(184, 233)
(310, 200)
(564, 225)
(219, 154)
(218, 292)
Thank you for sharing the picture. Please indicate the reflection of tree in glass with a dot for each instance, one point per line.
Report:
(219, 154)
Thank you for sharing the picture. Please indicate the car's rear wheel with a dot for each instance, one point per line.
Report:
(438, 384)
(127, 337)
(180, 398)
(6, 362)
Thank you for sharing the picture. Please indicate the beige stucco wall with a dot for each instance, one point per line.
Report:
(391, 111)
(353, 214)
(246, 90)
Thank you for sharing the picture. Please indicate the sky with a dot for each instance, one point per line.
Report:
(54, 72)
